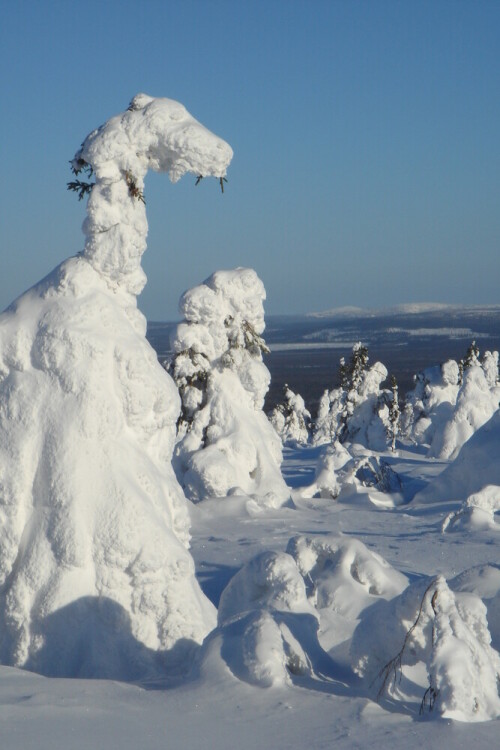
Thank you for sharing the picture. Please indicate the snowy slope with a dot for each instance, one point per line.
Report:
(214, 708)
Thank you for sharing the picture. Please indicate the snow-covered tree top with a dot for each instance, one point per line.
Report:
(219, 313)
(157, 134)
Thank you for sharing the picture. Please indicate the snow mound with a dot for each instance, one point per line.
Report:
(484, 581)
(95, 574)
(226, 444)
(477, 513)
(343, 575)
(326, 482)
(267, 629)
(269, 581)
(475, 467)
(442, 636)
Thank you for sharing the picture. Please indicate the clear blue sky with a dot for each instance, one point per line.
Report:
(366, 138)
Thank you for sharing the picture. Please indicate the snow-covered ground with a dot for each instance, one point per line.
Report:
(213, 707)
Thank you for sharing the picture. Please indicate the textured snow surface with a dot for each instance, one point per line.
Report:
(281, 624)
(95, 575)
(226, 445)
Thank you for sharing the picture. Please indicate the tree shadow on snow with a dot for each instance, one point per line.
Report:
(213, 579)
(92, 638)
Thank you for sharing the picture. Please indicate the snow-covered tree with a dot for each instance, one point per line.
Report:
(471, 359)
(451, 401)
(441, 630)
(476, 403)
(431, 402)
(95, 575)
(327, 425)
(394, 416)
(290, 418)
(489, 363)
(355, 412)
(226, 444)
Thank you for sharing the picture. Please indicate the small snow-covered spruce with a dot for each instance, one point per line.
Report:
(357, 410)
(290, 418)
(470, 359)
(489, 363)
(450, 636)
(352, 375)
(343, 374)
(358, 364)
(394, 414)
(393, 670)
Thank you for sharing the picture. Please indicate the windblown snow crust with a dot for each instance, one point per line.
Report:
(95, 574)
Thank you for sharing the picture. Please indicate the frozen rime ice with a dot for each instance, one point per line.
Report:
(95, 574)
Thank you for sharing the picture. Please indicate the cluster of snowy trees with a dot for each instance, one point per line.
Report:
(451, 401)
(359, 410)
(448, 403)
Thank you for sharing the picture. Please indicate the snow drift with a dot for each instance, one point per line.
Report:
(95, 573)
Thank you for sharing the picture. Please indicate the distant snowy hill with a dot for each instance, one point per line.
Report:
(305, 349)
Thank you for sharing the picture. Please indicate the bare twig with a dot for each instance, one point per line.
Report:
(396, 664)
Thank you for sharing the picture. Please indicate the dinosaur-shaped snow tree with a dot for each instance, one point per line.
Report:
(95, 574)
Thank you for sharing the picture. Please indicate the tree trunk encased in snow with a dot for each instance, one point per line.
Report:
(95, 574)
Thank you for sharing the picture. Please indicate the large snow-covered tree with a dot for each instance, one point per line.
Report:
(226, 444)
(95, 575)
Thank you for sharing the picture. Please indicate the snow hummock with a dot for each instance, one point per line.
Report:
(267, 629)
(477, 512)
(96, 578)
(226, 445)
